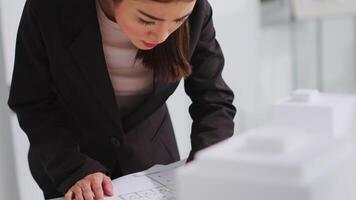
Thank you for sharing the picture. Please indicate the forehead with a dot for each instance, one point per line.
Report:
(163, 9)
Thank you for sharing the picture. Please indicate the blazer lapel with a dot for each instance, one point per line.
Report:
(157, 98)
(87, 51)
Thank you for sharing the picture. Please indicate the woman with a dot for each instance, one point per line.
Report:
(90, 83)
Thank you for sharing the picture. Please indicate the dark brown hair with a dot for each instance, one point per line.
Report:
(169, 60)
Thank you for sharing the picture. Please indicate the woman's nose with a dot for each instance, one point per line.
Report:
(160, 34)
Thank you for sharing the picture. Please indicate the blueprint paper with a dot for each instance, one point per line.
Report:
(155, 183)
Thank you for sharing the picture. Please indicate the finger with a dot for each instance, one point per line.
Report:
(68, 196)
(78, 193)
(107, 186)
(87, 192)
(97, 189)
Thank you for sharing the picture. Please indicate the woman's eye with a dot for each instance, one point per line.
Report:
(144, 22)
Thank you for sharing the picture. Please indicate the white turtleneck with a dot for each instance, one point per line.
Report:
(130, 79)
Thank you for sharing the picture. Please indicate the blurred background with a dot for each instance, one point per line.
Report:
(271, 48)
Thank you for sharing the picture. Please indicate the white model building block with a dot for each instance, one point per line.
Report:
(316, 113)
(272, 164)
(274, 140)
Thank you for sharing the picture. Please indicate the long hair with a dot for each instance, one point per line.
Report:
(169, 60)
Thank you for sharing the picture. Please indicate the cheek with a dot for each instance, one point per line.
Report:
(174, 29)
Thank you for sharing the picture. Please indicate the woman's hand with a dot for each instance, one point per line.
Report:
(91, 187)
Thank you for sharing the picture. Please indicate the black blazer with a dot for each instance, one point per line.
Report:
(64, 100)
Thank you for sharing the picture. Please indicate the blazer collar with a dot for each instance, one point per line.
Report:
(85, 44)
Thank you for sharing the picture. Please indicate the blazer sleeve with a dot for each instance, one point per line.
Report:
(211, 110)
(42, 113)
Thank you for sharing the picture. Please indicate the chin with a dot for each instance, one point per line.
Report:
(144, 47)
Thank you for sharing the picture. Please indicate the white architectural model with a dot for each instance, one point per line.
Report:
(304, 154)
(316, 113)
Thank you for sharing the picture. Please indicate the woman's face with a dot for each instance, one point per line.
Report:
(148, 23)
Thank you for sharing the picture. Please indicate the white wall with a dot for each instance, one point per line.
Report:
(238, 32)
(325, 54)
(10, 16)
(8, 175)
(21, 184)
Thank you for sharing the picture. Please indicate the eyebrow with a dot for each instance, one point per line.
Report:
(160, 19)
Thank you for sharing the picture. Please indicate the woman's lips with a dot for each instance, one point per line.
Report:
(149, 45)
